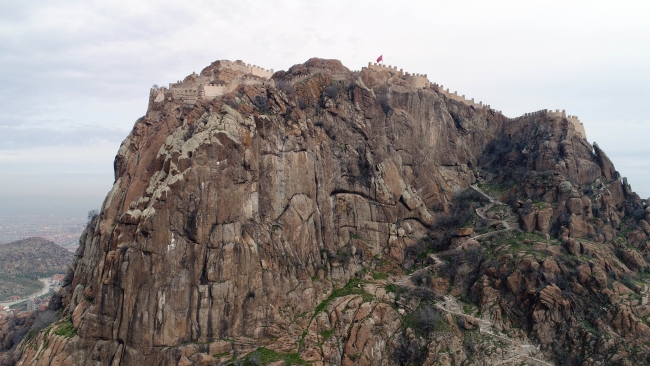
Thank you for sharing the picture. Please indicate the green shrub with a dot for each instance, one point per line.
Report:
(66, 329)
(264, 356)
(425, 320)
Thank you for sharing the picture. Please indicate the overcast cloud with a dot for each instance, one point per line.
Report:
(75, 75)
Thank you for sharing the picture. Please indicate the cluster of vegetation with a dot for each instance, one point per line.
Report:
(264, 356)
(353, 287)
(425, 320)
(66, 329)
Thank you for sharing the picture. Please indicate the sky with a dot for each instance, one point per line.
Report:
(75, 75)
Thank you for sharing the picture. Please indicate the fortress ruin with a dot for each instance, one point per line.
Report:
(208, 84)
(579, 127)
(421, 81)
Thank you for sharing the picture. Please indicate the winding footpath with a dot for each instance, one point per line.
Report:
(518, 351)
(481, 212)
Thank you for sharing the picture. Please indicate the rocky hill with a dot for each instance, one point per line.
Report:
(332, 217)
(24, 261)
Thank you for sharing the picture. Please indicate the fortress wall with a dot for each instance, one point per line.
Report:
(253, 81)
(557, 113)
(188, 94)
(202, 80)
(158, 94)
(418, 81)
(460, 98)
(579, 127)
(196, 86)
(413, 80)
(297, 79)
(258, 71)
(215, 90)
(211, 91)
(382, 67)
(239, 67)
(236, 66)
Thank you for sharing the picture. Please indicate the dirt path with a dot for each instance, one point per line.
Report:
(449, 304)
(482, 211)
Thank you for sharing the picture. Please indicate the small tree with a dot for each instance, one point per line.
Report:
(91, 216)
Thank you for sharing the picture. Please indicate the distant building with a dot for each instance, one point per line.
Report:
(31, 306)
(14, 298)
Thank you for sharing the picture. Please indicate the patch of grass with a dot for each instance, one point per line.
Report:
(540, 205)
(493, 190)
(512, 243)
(31, 334)
(392, 288)
(66, 329)
(355, 236)
(327, 334)
(495, 208)
(380, 276)
(264, 356)
(353, 287)
(219, 355)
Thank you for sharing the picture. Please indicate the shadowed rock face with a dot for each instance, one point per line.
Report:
(233, 221)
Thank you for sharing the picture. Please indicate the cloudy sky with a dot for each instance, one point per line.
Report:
(75, 75)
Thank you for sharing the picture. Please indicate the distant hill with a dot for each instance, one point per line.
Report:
(24, 261)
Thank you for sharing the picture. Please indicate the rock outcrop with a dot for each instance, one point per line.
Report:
(279, 219)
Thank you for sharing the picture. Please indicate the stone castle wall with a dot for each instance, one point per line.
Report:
(579, 127)
(415, 80)
(421, 81)
(196, 87)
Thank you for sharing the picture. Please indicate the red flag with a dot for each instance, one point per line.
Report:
(380, 59)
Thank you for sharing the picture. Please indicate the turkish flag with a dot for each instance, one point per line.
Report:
(380, 59)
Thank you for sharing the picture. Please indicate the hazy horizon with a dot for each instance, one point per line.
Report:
(76, 75)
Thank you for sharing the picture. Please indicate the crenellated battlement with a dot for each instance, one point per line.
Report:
(579, 127)
(202, 86)
(419, 81)
(460, 98)
(259, 71)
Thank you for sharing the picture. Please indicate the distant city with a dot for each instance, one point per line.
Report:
(61, 229)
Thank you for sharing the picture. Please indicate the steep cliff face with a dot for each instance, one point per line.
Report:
(286, 217)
